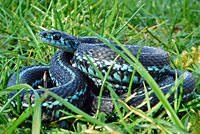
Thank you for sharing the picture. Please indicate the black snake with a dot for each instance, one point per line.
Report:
(71, 83)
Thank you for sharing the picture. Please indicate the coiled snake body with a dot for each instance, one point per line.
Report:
(71, 83)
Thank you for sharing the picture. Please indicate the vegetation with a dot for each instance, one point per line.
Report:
(171, 25)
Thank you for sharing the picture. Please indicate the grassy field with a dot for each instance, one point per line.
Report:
(171, 25)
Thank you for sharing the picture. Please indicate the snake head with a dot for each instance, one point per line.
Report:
(61, 40)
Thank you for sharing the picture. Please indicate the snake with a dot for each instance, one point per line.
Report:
(72, 77)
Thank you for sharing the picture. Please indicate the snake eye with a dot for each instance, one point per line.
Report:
(56, 36)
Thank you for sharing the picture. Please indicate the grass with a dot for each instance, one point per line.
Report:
(171, 25)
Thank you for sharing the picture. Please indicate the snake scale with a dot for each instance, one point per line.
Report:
(71, 83)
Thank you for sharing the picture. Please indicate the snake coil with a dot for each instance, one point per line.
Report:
(71, 83)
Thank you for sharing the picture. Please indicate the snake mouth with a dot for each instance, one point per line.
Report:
(46, 36)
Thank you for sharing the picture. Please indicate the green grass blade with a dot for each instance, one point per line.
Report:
(36, 115)
(129, 19)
